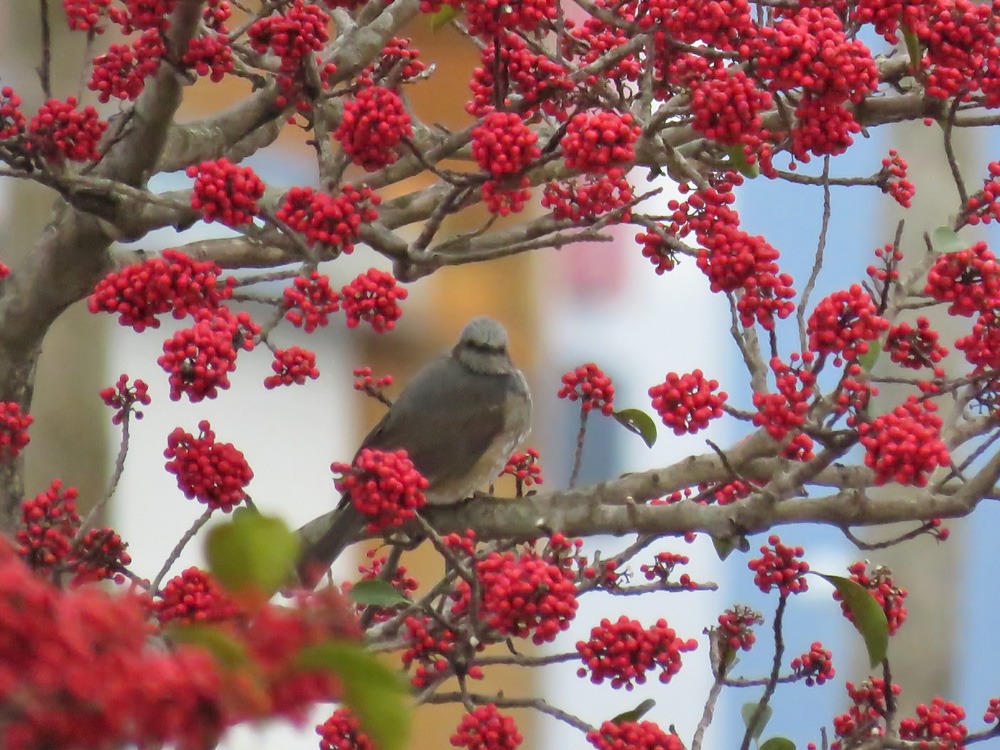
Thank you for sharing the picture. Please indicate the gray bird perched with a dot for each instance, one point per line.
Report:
(459, 419)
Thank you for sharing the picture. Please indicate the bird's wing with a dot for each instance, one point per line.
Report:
(445, 419)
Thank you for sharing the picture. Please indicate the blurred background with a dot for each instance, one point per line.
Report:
(597, 302)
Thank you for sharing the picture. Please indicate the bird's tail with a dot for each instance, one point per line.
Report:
(324, 538)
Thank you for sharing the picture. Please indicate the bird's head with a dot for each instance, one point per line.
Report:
(482, 347)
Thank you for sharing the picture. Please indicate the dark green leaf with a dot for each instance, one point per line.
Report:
(252, 553)
(946, 240)
(443, 17)
(748, 710)
(778, 743)
(228, 651)
(639, 422)
(376, 593)
(636, 713)
(869, 358)
(375, 694)
(738, 161)
(869, 618)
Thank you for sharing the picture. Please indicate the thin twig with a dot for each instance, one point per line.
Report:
(179, 547)
(578, 454)
(800, 313)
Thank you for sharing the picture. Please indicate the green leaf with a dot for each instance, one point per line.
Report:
(869, 618)
(376, 593)
(912, 47)
(227, 651)
(636, 713)
(946, 240)
(443, 17)
(252, 553)
(869, 358)
(748, 710)
(639, 422)
(374, 693)
(738, 161)
(724, 547)
(778, 743)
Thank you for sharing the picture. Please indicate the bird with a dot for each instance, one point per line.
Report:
(459, 419)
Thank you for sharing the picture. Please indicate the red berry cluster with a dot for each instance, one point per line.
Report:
(624, 650)
(982, 346)
(634, 735)
(342, 731)
(225, 192)
(211, 473)
(785, 410)
(865, 718)
(144, 15)
(399, 62)
(210, 56)
(194, 596)
(302, 28)
(656, 249)
(372, 298)
(687, 403)
(523, 595)
(383, 485)
(905, 445)
(326, 219)
(49, 524)
(883, 588)
(14, 426)
(843, 324)
(85, 15)
(732, 491)
(309, 301)
(590, 196)
(525, 468)
(373, 124)
(736, 627)
(215, 15)
(916, 348)
(100, 555)
(816, 665)
(592, 39)
(485, 728)
(291, 367)
(506, 197)
(60, 131)
(198, 359)
(369, 384)
(121, 72)
(595, 142)
(958, 39)
(123, 398)
(892, 179)
(984, 206)
(969, 280)
(591, 387)
(992, 711)
(808, 49)
(822, 128)
(432, 645)
(510, 69)
(505, 146)
(12, 120)
(487, 18)
(171, 283)
(727, 104)
(779, 568)
(663, 567)
(939, 725)
(732, 259)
